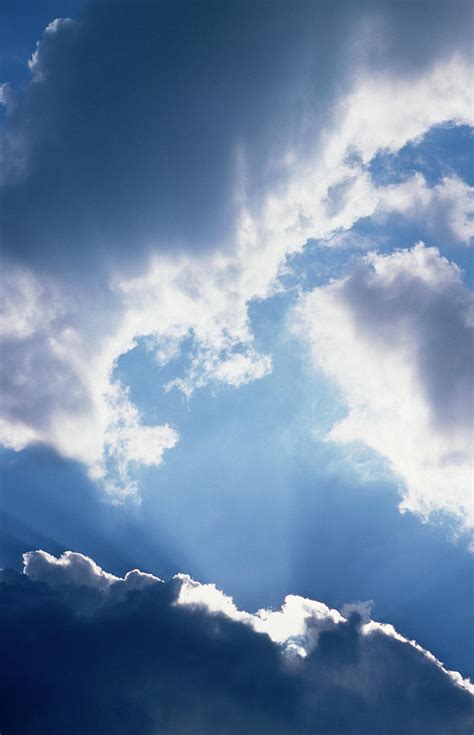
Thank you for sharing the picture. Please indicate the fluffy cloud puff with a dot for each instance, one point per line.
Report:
(94, 264)
(84, 651)
(397, 337)
(446, 211)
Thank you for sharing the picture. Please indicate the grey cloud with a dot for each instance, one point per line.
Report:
(130, 660)
(433, 315)
(31, 388)
(127, 138)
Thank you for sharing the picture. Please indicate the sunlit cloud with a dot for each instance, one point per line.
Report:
(397, 337)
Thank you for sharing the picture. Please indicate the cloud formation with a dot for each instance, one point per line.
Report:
(150, 191)
(92, 653)
(397, 337)
(142, 121)
(445, 211)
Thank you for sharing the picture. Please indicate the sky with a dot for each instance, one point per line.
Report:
(236, 329)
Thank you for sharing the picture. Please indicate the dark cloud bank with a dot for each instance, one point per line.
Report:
(128, 137)
(86, 654)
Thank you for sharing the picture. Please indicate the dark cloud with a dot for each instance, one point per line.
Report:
(421, 301)
(83, 654)
(130, 135)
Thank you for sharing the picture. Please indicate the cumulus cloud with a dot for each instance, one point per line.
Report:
(77, 570)
(397, 337)
(93, 652)
(151, 231)
(57, 385)
(446, 210)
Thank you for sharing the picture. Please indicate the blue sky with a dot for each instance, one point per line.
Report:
(237, 337)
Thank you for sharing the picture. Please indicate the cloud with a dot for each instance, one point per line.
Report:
(56, 379)
(134, 136)
(445, 211)
(71, 568)
(149, 193)
(126, 141)
(76, 570)
(397, 337)
(94, 653)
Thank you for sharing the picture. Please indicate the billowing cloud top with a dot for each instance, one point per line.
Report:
(107, 654)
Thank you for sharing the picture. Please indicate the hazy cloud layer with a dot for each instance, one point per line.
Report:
(397, 337)
(84, 651)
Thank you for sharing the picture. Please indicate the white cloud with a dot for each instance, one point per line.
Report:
(57, 381)
(77, 570)
(333, 189)
(296, 625)
(299, 620)
(445, 210)
(70, 568)
(385, 114)
(397, 337)
(63, 347)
